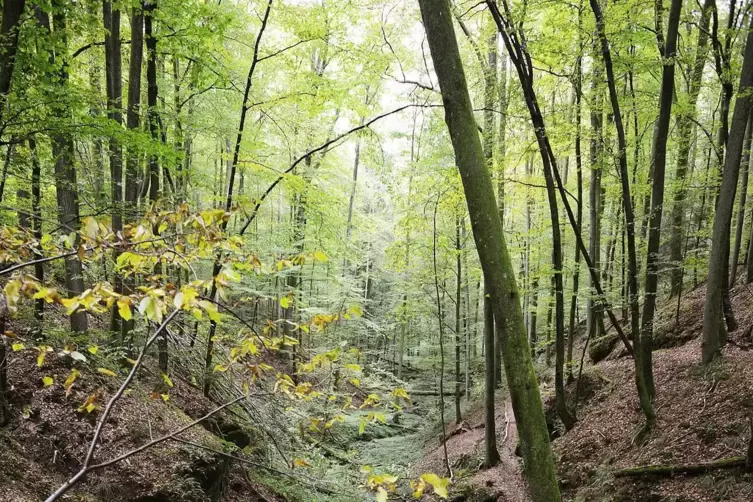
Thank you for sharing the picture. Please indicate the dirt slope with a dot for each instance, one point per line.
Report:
(702, 415)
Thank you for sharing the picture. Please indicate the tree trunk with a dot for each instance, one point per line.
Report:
(643, 394)
(132, 176)
(718, 261)
(491, 454)
(579, 209)
(745, 166)
(493, 254)
(66, 184)
(658, 161)
(207, 387)
(594, 195)
(114, 90)
(36, 222)
(684, 137)
(9, 28)
(458, 302)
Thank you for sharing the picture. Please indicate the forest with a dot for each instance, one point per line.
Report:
(358, 250)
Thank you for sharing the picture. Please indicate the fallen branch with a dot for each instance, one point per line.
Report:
(671, 470)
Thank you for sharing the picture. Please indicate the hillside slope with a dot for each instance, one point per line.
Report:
(702, 416)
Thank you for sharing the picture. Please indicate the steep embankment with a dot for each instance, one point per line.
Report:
(702, 416)
(50, 431)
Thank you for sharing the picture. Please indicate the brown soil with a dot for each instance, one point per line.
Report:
(702, 415)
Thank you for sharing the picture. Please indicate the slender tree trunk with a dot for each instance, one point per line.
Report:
(209, 355)
(579, 209)
(132, 175)
(658, 161)
(684, 136)
(643, 394)
(66, 184)
(713, 329)
(594, 194)
(745, 166)
(9, 28)
(493, 254)
(114, 89)
(458, 302)
(36, 222)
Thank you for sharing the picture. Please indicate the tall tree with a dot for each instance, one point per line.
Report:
(133, 121)
(493, 254)
(684, 136)
(114, 90)
(713, 329)
(66, 183)
(643, 394)
(668, 51)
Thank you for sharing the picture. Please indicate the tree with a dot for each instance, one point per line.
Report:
(66, 184)
(643, 393)
(713, 329)
(495, 260)
(667, 50)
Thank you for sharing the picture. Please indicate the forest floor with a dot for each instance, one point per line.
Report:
(702, 416)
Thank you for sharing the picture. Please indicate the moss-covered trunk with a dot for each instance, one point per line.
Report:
(493, 253)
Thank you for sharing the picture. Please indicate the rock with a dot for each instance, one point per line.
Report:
(600, 348)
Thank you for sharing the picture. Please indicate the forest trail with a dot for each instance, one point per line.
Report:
(502, 483)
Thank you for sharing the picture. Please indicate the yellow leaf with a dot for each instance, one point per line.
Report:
(285, 302)
(94, 349)
(320, 256)
(47, 381)
(220, 368)
(71, 378)
(301, 462)
(107, 372)
(418, 488)
(381, 494)
(165, 397)
(211, 310)
(18, 346)
(124, 309)
(40, 359)
(439, 484)
(167, 380)
(91, 407)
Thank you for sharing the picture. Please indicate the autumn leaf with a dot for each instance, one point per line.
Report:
(47, 381)
(439, 484)
(106, 372)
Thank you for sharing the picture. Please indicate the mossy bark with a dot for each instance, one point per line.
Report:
(493, 254)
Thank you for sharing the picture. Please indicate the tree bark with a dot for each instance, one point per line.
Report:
(132, 174)
(458, 303)
(745, 166)
(643, 394)
(713, 329)
(66, 184)
(9, 28)
(36, 223)
(493, 254)
(658, 161)
(491, 454)
(114, 90)
(684, 136)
